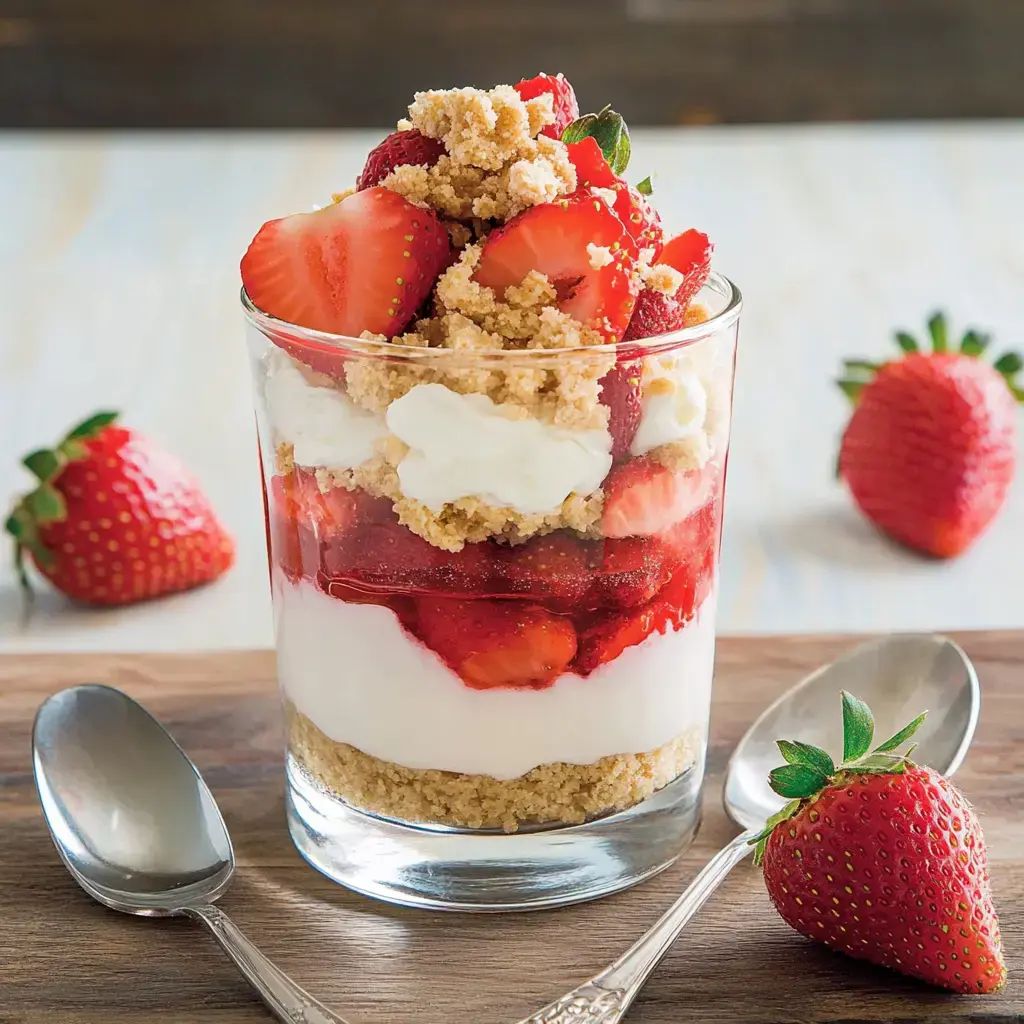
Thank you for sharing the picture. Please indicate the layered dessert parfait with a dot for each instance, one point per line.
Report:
(494, 409)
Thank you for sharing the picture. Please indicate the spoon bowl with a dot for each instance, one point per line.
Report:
(138, 829)
(898, 677)
(132, 819)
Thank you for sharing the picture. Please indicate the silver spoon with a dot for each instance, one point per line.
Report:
(139, 831)
(898, 677)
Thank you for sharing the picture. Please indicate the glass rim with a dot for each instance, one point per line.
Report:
(320, 341)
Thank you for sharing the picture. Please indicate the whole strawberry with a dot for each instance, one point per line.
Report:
(114, 520)
(398, 149)
(929, 452)
(883, 860)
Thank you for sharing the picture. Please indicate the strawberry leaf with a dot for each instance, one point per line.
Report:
(851, 388)
(796, 781)
(858, 728)
(610, 132)
(939, 330)
(860, 366)
(906, 341)
(645, 188)
(1008, 364)
(898, 739)
(46, 504)
(810, 757)
(93, 425)
(974, 343)
(877, 764)
(44, 463)
(760, 841)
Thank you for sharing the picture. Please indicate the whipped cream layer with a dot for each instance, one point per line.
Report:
(323, 424)
(464, 446)
(687, 394)
(361, 679)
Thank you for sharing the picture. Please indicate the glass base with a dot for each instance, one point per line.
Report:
(455, 869)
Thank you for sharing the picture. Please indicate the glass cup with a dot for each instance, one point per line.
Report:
(496, 687)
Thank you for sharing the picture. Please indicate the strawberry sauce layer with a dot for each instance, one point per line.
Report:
(500, 615)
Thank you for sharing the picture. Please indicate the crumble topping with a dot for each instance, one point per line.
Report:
(659, 277)
(600, 255)
(496, 164)
(472, 319)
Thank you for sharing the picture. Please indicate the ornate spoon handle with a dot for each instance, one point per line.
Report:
(608, 995)
(290, 1002)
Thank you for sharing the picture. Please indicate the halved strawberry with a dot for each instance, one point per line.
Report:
(397, 150)
(626, 572)
(492, 644)
(655, 313)
(621, 392)
(551, 569)
(364, 264)
(643, 498)
(563, 100)
(690, 254)
(604, 640)
(553, 238)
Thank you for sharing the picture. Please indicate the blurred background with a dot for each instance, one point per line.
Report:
(338, 63)
(858, 164)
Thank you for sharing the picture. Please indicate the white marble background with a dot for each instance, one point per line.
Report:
(119, 281)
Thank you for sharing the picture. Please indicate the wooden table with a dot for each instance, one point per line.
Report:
(65, 959)
(119, 284)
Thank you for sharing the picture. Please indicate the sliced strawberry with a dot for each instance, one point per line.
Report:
(397, 150)
(639, 218)
(492, 644)
(655, 313)
(551, 569)
(590, 163)
(364, 264)
(690, 254)
(626, 572)
(553, 238)
(604, 640)
(621, 391)
(644, 498)
(387, 556)
(563, 100)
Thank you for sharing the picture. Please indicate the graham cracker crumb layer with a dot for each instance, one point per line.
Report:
(549, 794)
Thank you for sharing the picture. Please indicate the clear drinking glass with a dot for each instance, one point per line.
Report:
(490, 708)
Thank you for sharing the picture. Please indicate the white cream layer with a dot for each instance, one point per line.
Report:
(362, 680)
(323, 424)
(463, 446)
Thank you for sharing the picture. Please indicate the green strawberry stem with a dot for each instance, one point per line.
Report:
(609, 130)
(45, 503)
(809, 770)
(858, 373)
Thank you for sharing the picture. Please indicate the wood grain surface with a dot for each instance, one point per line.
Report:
(65, 959)
(314, 63)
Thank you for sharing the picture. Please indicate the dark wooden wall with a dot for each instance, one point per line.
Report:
(312, 63)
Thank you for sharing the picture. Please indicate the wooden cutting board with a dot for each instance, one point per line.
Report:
(65, 959)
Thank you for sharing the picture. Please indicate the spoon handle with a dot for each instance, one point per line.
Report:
(606, 997)
(288, 1001)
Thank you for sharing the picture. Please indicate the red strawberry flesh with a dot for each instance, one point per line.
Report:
(364, 264)
(553, 238)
